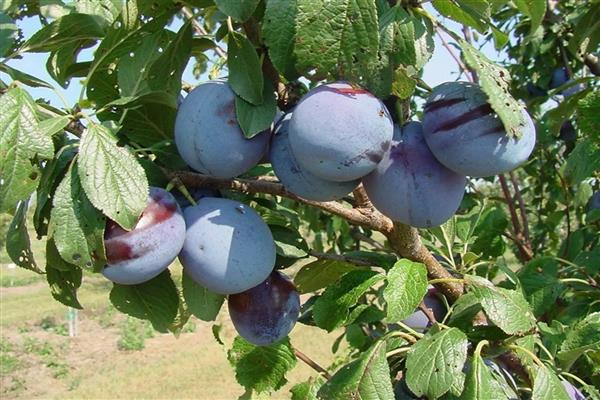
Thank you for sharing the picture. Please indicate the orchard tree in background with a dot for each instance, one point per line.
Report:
(453, 257)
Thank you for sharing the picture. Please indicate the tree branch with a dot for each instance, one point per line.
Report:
(200, 30)
(308, 361)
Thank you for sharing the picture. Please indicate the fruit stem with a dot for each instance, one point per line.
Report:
(407, 336)
(308, 361)
(394, 352)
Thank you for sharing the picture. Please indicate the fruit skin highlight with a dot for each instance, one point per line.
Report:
(410, 186)
(266, 313)
(139, 255)
(339, 132)
(228, 248)
(294, 177)
(208, 136)
(467, 136)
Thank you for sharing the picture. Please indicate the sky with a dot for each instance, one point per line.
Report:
(441, 67)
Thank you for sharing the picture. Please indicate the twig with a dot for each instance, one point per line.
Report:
(200, 29)
(461, 65)
(371, 241)
(361, 197)
(522, 210)
(511, 205)
(308, 361)
(428, 313)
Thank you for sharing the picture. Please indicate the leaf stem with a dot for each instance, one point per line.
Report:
(397, 351)
(529, 353)
(445, 280)
(308, 361)
(480, 346)
(405, 335)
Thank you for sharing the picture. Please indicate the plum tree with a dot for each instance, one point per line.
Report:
(294, 177)
(208, 136)
(228, 248)
(410, 186)
(339, 132)
(266, 313)
(197, 193)
(466, 135)
(144, 252)
(418, 320)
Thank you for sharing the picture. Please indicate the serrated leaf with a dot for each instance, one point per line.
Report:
(307, 390)
(155, 300)
(495, 83)
(582, 337)
(261, 368)
(254, 119)
(18, 245)
(331, 310)
(507, 309)
(406, 286)
(588, 116)
(26, 79)
(240, 10)
(21, 141)
(68, 29)
(368, 377)
(105, 11)
(480, 384)
(548, 386)
(321, 273)
(582, 162)
(245, 74)
(403, 86)
(76, 227)
(112, 178)
(473, 13)
(64, 285)
(52, 126)
(279, 30)
(534, 9)
(339, 37)
(435, 362)
(8, 34)
(201, 302)
(62, 63)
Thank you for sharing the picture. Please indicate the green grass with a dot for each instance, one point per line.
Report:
(8, 363)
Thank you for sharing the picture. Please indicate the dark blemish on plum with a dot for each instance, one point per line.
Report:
(481, 111)
(374, 156)
(231, 122)
(117, 251)
(436, 105)
(227, 110)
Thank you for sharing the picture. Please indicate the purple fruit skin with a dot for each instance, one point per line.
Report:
(572, 391)
(560, 76)
(467, 136)
(228, 247)
(339, 132)
(139, 255)
(295, 178)
(594, 202)
(410, 186)
(208, 136)
(266, 313)
(418, 320)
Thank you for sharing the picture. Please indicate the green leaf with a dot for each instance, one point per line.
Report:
(473, 13)
(588, 115)
(435, 362)
(75, 225)
(507, 309)
(548, 386)
(586, 35)
(406, 286)
(105, 11)
(155, 300)
(331, 310)
(495, 83)
(21, 141)
(403, 86)
(553, 120)
(52, 126)
(488, 233)
(582, 162)
(535, 10)
(240, 10)
(201, 302)
(65, 30)
(307, 390)
(64, 285)
(18, 245)
(62, 64)
(112, 178)
(321, 273)
(261, 368)
(24, 78)
(279, 30)
(480, 383)
(254, 119)
(245, 74)
(582, 337)
(288, 243)
(368, 377)
(8, 34)
(338, 37)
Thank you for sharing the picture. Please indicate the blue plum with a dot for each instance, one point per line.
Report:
(410, 186)
(266, 313)
(467, 136)
(535, 91)
(294, 177)
(208, 136)
(568, 132)
(228, 247)
(139, 255)
(594, 202)
(339, 132)
(418, 320)
(572, 391)
(560, 76)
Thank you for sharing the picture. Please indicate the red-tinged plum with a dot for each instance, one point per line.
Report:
(340, 132)
(294, 177)
(467, 136)
(208, 136)
(572, 391)
(228, 247)
(418, 320)
(266, 313)
(410, 186)
(139, 255)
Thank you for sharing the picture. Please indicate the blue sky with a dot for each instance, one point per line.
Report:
(441, 68)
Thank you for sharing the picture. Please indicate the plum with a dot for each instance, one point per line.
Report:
(228, 248)
(594, 202)
(418, 320)
(535, 91)
(294, 177)
(572, 391)
(208, 136)
(339, 132)
(197, 193)
(467, 136)
(180, 99)
(568, 132)
(139, 255)
(266, 313)
(560, 76)
(410, 186)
